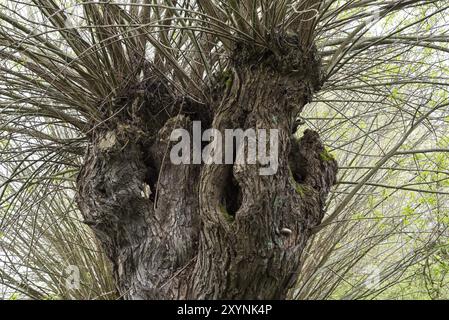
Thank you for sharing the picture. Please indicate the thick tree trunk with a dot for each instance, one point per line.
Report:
(210, 231)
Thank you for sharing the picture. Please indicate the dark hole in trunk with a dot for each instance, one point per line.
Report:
(151, 176)
(297, 162)
(232, 195)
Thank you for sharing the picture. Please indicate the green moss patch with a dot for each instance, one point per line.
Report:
(326, 155)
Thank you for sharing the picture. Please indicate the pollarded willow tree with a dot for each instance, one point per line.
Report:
(94, 89)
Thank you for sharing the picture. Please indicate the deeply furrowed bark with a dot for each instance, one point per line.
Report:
(212, 231)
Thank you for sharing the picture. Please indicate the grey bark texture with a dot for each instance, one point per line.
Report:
(209, 231)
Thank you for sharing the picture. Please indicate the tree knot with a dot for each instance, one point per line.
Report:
(283, 55)
(312, 164)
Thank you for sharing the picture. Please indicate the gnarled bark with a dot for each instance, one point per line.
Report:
(212, 231)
